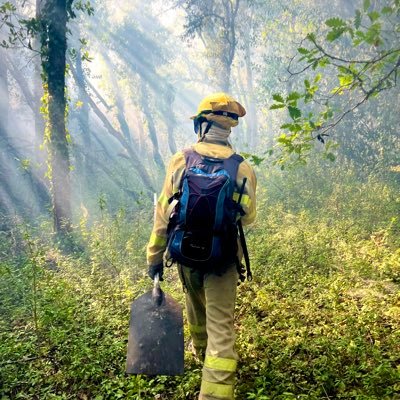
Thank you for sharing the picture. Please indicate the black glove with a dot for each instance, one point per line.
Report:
(156, 269)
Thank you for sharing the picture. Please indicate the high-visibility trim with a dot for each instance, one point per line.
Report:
(246, 201)
(163, 200)
(217, 390)
(197, 328)
(220, 364)
(156, 240)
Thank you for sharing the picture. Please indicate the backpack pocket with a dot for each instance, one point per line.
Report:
(193, 249)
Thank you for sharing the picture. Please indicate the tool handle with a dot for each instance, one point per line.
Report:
(157, 280)
(157, 293)
(242, 190)
(239, 208)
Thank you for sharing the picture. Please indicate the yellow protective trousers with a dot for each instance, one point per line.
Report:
(210, 304)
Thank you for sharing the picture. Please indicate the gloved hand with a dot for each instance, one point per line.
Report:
(156, 269)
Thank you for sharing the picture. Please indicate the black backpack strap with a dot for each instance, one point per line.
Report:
(243, 239)
(231, 165)
(245, 251)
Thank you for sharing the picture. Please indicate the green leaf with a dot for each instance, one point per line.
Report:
(293, 96)
(323, 62)
(311, 37)
(372, 35)
(245, 155)
(7, 6)
(374, 15)
(335, 22)
(291, 127)
(345, 80)
(387, 10)
(277, 97)
(366, 5)
(256, 160)
(276, 106)
(302, 50)
(357, 19)
(330, 157)
(282, 137)
(86, 57)
(295, 128)
(311, 91)
(317, 78)
(335, 34)
(25, 164)
(294, 112)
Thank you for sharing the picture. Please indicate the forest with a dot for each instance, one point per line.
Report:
(96, 97)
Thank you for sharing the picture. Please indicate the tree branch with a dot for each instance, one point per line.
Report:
(371, 61)
(376, 89)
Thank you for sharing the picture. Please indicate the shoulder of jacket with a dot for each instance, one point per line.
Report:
(246, 169)
(176, 161)
(247, 164)
(212, 150)
(179, 155)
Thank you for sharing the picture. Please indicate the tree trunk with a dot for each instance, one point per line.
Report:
(11, 153)
(251, 105)
(170, 133)
(119, 102)
(22, 83)
(230, 41)
(38, 91)
(151, 127)
(4, 99)
(238, 136)
(95, 165)
(224, 77)
(5, 202)
(84, 109)
(55, 15)
(167, 109)
(132, 156)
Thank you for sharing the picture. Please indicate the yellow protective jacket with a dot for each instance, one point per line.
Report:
(158, 239)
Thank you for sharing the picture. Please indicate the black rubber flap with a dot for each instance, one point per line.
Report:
(155, 344)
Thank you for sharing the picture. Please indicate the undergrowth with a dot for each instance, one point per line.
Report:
(321, 320)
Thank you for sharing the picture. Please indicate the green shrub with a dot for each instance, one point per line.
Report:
(320, 320)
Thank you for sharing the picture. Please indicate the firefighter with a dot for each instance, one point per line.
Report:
(210, 297)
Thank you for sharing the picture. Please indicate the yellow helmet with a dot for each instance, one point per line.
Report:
(221, 108)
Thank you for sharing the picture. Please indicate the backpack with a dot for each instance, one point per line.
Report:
(202, 229)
